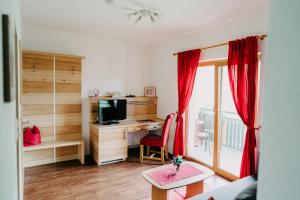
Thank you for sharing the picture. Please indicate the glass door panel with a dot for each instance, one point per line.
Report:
(201, 116)
(212, 101)
(231, 129)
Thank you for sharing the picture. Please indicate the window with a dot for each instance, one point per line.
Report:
(216, 134)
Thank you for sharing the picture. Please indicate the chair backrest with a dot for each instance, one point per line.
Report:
(166, 128)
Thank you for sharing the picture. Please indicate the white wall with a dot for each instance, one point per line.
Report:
(164, 65)
(110, 65)
(8, 131)
(128, 67)
(279, 172)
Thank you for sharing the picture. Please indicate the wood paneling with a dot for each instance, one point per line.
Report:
(47, 79)
(136, 109)
(66, 157)
(94, 143)
(37, 98)
(37, 62)
(38, 109)
(141, 108)
(44, 156)
(47, 138)
(68, 101)
(30, 75)
(68, 129)
(67, 87)
(37, 87)
(142, 99)
(68, 119)
(93, 117)
(62, 151)
(67, 77)
(94, 147)
(42, 64)
(45, 124)
(68, 98)
(95, 155)
(73, 136)
(48, 131)
(62, 65)
(142, 117)
(37, 55)
(67, 108)
(68, 59)
(42, 121)
(94, 107)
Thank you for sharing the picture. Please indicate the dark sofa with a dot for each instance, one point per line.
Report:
(242, 189)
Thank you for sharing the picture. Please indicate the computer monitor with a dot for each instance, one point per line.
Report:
(112, 110)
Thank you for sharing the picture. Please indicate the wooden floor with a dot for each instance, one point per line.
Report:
(72, 181)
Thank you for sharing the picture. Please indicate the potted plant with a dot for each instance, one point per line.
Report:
(177, 161)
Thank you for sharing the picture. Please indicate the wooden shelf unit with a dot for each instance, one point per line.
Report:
(51, 100)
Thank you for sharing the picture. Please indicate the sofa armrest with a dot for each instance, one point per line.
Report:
(229, 191)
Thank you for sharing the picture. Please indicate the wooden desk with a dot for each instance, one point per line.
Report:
(194, 184)
(110, 142)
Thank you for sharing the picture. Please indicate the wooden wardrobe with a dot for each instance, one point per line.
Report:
(51, 100)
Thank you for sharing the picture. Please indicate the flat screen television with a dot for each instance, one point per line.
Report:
(111, 111)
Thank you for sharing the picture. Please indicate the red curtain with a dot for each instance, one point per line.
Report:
(186, 72)
(243, 78)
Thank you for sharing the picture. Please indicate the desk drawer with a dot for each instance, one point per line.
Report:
(134, 129)
(112, 154)
(113, 144)
(151, 127)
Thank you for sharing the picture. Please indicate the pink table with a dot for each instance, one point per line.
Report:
(192, 176)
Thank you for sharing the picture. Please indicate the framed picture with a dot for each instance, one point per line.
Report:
(150, 91)
(9, 59)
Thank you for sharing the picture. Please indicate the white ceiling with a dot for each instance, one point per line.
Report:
(95, 17)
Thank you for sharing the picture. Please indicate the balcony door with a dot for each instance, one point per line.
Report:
(215, 132)
(201, 116)
(231, 129)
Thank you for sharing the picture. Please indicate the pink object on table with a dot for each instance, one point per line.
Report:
(165, 176)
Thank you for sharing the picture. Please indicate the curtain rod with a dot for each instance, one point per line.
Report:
(260, 37)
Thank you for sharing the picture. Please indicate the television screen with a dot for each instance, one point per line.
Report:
(112, 110)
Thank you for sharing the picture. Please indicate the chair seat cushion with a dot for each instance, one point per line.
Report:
(152, 140)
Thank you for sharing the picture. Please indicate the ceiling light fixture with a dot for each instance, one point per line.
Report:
(143, 14)
(136, 11)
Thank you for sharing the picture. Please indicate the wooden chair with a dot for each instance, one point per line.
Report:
(161, 142)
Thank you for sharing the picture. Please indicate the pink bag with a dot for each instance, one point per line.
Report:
(31, 136)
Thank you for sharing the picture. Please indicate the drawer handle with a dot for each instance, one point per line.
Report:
(124, 134)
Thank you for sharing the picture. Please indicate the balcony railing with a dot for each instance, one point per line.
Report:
(232, 129)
